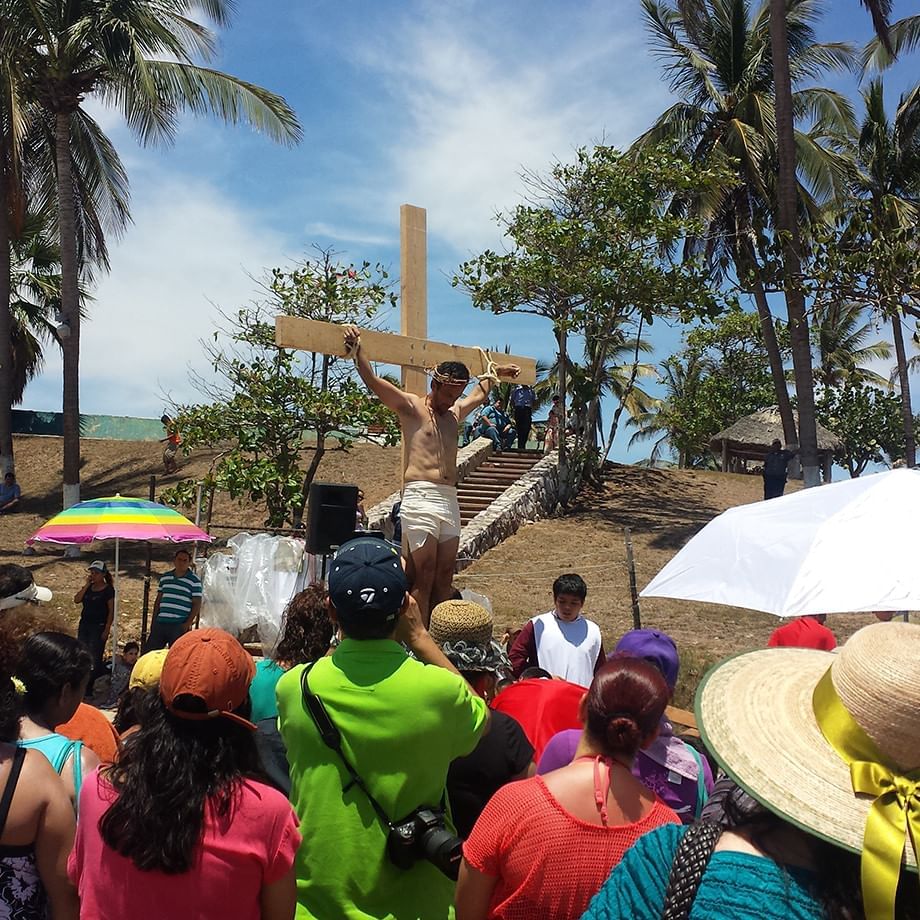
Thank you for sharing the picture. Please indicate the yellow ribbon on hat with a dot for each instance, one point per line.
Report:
(895, 811)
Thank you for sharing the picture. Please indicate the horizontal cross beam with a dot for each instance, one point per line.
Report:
(388, 348)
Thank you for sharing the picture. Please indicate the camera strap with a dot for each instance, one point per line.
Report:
(333, 739)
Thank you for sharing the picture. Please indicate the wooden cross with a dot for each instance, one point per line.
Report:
(411, 350)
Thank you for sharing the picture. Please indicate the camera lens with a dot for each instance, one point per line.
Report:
(443, 849)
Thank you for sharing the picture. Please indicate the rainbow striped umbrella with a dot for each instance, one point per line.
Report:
(118, 518)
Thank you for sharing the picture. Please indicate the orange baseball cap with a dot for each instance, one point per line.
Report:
(209, 665)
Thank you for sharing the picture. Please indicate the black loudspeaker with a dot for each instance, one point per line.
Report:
(331, 513)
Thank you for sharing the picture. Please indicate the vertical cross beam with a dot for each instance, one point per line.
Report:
(413, 287)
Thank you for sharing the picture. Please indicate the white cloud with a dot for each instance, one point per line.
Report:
(190, 251)
(484, 98)
(320, 230)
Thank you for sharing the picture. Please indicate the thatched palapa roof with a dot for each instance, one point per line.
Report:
(753, 434)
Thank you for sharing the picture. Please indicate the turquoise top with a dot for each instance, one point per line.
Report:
(57, 749)
(735, 886)
(262, 689)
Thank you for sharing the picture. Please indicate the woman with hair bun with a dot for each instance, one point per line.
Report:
(543, 846)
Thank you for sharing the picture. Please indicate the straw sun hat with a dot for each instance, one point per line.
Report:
(464, 632)
(785, 724)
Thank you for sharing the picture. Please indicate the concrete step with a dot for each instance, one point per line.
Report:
(489, 479)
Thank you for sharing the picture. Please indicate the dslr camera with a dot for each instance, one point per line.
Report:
(424, 835)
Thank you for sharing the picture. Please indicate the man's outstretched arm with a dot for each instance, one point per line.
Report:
(389, 394)
(480, 392)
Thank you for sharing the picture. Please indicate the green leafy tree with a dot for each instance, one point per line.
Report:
(271, 404)
(867, 421)
(619, 381)
(141, 57)
(586, 254)
(872, 264)
(666, 424)
(27, 197)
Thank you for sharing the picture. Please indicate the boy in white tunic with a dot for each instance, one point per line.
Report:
(562, 642)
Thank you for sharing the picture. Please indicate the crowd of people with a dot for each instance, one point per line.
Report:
(375, 766)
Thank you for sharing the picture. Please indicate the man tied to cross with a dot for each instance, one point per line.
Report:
(430, 425)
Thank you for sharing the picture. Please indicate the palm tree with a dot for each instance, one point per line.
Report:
(28, 185)
(840, 338)
(788, 225)
(661, 423)
(13, 123)
(716, 53)
(35, 288)
(888, 153)
(617, 379)
(140, 57)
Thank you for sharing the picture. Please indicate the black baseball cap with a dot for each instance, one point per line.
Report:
(367, 579)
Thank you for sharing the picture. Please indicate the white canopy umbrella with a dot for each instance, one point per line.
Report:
(849, 546)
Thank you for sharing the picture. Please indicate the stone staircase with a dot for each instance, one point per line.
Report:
(491, 478)
(497, 494)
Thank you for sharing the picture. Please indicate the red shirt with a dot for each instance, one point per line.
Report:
(241, 852)
(541, 707)
(803, 632)
(548, 862)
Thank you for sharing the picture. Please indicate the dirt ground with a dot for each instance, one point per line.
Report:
(125, 467)
(663, 508)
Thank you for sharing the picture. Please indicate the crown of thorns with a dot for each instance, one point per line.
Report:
(448, 379)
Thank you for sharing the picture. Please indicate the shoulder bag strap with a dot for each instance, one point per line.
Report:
(690, 861)
(332, 738)
(19, 756)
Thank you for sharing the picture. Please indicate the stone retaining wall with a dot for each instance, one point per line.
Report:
(532, 497)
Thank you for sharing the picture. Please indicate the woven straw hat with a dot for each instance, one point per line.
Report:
(456, 621)
(756, 715)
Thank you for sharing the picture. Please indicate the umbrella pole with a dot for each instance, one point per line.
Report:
(115, 613)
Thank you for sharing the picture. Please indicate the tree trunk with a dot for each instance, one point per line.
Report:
(787, 225)
(317, 454)
(910, 448)
(70, 307)
(615, 423)
(561, 445)
(768, 330)
(6, 321)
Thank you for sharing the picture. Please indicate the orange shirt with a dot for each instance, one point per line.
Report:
(549, 863)
(91, 727)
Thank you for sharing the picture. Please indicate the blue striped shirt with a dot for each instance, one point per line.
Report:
(177, 595)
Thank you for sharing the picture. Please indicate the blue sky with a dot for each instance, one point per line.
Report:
(441, 105)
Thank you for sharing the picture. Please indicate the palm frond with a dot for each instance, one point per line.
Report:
(201, 90)
(904, 36)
